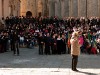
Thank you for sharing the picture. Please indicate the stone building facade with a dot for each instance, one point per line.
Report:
(9, 8)
(4, 6)
(74, 8)
(14, 7)
(60, 8)
(34, 6)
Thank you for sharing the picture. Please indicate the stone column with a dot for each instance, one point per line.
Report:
(70, 8)
(39, 7)
(66, 8)
(74, 8)
(45, 8)
(28, 5)
(19, 8)
(51, 8)
(62, 8)
(15, 8)
(82, 8)
(3, 7)
(6, 8)
(92, 8)
(34, 7)
(98, 8)
(0, 9)
(57, 8)
(23, 7)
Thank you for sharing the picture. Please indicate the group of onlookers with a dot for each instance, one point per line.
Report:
(52, 34)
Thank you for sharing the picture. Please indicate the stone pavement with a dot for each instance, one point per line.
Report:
(30, 63)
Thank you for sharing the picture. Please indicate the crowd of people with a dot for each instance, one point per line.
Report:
(51, 34)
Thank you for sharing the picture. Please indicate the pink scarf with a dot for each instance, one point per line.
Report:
(81, 40)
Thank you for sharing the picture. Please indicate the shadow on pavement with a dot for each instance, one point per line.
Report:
(87, 73)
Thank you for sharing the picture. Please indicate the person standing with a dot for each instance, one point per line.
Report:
(5, 41)
(54, 44)
(59, 43)
(15, 43)
(63, 44)
(41, 44)
(47, 41)
(2, 37)
(75, 49)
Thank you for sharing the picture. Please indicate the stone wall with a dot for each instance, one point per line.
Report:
(61, 8)
(4, 8)
(82, 8)
(75, 8)
(92, 9)
(9, 8)
(45, 8)
(35, 6)
(0, 9)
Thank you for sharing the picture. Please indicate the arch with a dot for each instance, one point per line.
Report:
(28, 14)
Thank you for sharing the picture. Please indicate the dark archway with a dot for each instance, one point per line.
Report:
(39, 14)
(28, 14)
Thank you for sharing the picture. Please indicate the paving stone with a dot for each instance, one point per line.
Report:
(30, 63)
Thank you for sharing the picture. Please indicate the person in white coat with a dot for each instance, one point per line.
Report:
(75, 49)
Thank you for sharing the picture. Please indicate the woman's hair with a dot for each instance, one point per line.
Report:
(75, 34)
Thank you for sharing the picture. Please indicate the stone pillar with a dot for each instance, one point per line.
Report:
(51, 8)
(82, 8)
(23, 7)
(92, 9)
(27, 5)
(95, 8)
(18, 8)
(39, 7)
(34, 7)
(3, 7)
(74, 8)
(70, 8)
(57, 8)
(6, 8)
(66, 8)
(0, 9)
(62, 8)
(98, 8)
(45, 8)
(15, 8)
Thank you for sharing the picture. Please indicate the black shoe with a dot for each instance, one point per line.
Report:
(75, 70)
